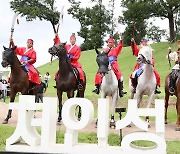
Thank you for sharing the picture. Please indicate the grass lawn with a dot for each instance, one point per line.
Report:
(113, 139)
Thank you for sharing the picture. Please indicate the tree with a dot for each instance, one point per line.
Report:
(153, 8)
(166, 9)
(94, 23)
(155, 33)
(32, 9)
(134, 17)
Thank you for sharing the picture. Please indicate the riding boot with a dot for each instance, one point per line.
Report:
(120, 86)
(157, 91)
(171, 84)
(134, 82)
(97, 90)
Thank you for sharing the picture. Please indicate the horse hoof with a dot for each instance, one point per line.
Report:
(177, 129)
(58, 122)
(129, 125)
(5, 121)
(112, 125)
(166, 122)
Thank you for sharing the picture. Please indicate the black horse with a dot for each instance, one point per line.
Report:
(19, 80)
(68, 77)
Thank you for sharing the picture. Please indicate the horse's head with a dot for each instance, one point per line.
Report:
(56, 50)
(8, 56)
(103, 62)
(145, 55)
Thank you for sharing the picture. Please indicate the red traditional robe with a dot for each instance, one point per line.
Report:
(135, 50)
(75, 52)
(112, 55)
(30, 55)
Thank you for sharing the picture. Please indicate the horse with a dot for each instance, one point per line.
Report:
(109, 86)
(67, 79)
(19, 80)
(146, 81)
(177, 94)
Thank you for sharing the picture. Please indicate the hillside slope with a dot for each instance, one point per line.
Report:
(126, 61)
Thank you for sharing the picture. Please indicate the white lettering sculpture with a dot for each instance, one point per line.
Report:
(46, 142)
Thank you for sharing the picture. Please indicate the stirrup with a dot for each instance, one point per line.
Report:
(157, 91)
(134, 90)
(124, 92)
(80, 86)
(96, 91)
(171, 90)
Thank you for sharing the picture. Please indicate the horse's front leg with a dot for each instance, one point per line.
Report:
(137, 97)
(114, 104)
(12, 98)
(59, 94)
(178, 113)
(150, 97)
(166, 106)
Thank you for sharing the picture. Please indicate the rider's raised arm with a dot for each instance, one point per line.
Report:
(134, 47)
(56, 39)
(119, 46)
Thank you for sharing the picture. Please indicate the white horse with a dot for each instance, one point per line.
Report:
(146, 81)
(109, 84)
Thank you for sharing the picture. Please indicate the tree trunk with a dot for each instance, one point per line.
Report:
(171, 27)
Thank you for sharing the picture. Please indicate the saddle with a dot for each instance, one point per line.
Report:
(173, 76)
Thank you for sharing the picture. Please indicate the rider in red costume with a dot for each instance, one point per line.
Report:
(73, 53)
(137, 67)
(112, 55)
(28, 59)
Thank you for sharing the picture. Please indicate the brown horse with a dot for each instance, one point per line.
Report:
(19, 81)
(67, 79)
(177, 94)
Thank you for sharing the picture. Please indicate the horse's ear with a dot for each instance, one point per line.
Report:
(14, 47)
(4, 47)
(64, 43)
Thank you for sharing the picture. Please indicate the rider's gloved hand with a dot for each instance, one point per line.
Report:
(169, 49)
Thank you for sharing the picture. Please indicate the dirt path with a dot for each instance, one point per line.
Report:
(170, 133)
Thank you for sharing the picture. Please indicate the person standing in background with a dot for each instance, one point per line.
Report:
(40, 91)
(4, 89)
(46, 78)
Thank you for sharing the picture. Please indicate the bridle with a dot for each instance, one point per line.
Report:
(143, 59)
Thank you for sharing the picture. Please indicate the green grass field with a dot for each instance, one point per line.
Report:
(113, 139)
(126, 61)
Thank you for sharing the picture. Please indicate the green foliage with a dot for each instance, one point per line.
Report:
(94, 23)
(140, 11)
(155, 33)
(32, 9)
